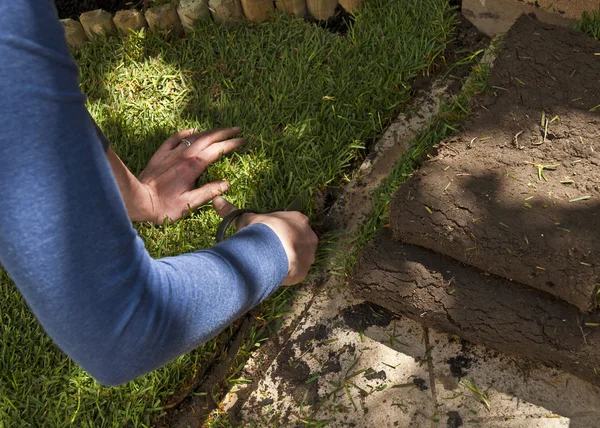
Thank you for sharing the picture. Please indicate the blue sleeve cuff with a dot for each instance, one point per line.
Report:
(259, 255)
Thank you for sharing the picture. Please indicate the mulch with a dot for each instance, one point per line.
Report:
(484, 200)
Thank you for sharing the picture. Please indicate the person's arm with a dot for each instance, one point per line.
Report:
(66, 239)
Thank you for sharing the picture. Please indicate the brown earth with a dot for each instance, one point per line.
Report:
(74, 8)
(446, 295)
(484, 201)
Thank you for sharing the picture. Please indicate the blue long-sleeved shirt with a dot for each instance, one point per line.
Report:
(66, 240)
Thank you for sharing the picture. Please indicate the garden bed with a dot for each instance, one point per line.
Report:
(74, 8)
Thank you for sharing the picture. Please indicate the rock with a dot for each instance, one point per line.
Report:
(129, 20)
(74, 33)
(295, 8)
(191, 11)
(257, 10)
(226, 11)
(98, 23)
(164, 18)
(321, 9)
(350, 5)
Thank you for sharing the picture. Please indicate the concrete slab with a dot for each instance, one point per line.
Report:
(494, 17)
(349, 363)
(520, 393)
(567, 8)
(344, 365)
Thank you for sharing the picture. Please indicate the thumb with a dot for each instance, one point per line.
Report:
(223, 207)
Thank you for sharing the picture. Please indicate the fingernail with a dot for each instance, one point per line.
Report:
(224, 186)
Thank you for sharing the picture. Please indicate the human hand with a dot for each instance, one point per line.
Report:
(167, 185)
(293, 230)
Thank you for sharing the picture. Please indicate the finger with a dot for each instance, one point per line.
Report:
(206, 193)
(208, 138)
(215, 151)
(174, 140)
(223, 207)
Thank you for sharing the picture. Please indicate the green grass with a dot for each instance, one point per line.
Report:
(308, 101)
(453, 111)
(590, 23)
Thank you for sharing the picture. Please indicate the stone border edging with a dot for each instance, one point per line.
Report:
(181, 16)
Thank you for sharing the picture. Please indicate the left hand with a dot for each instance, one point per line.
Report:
(166, 187)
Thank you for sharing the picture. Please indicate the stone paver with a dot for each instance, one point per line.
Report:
(350, 363)
(321, 9)
(295, 8)
(98, 23)
(521, 393)
(351, 5)
(494, 17)
(329, 371)
(74, 33)
(164, 18)
(257, 10)
(129, 20)
(226, 11)
(191, 11)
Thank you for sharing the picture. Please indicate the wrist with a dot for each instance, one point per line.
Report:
(137, 209)
(133, 192)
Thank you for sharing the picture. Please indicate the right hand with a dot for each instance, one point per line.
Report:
(293, 230)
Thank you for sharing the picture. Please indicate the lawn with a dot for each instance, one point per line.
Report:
(308, 100)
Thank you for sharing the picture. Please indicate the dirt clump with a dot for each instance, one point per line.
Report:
(459, 365)
(364, 315)
(454, 420)
(420, 383)
(296, 375)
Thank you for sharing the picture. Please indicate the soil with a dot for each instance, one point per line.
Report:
(339, 23)
(364, 315)
(448, 296)
(466, 41)
(454, 420)
(459, 366)
(74, 8)
(482, 200)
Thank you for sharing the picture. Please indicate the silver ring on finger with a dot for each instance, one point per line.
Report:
(187, 142)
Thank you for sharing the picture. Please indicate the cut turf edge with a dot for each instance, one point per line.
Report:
(441, 293)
